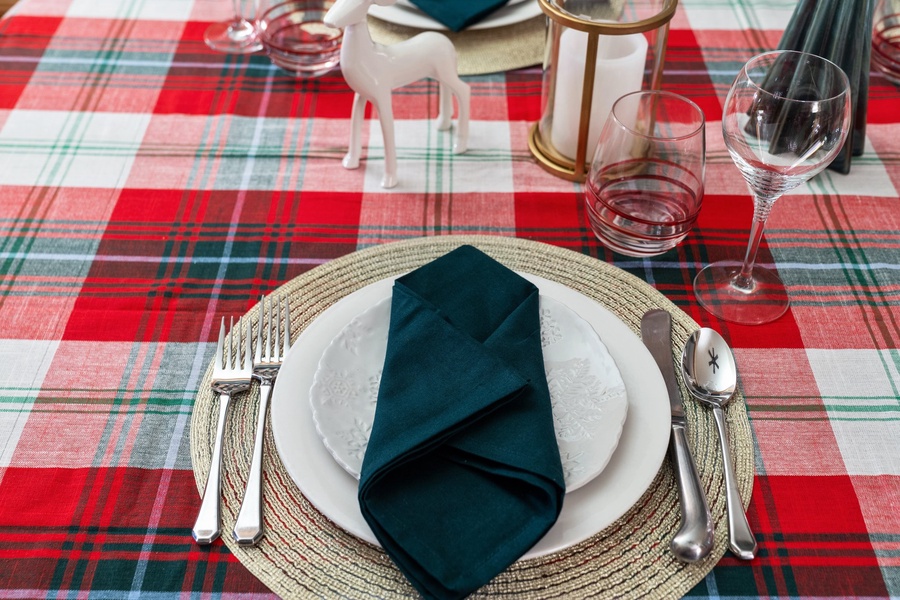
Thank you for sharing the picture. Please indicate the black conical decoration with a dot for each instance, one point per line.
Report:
(841, 31)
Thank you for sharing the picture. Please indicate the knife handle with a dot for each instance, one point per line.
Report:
(694, 540)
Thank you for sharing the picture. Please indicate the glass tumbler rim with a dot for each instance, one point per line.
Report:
(845, 89)
(701, 123)
(284, 8)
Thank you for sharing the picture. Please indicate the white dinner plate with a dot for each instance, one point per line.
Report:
(585, 511)
(586, 389)
(408, 15)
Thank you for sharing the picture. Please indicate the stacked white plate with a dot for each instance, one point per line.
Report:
(610, 408)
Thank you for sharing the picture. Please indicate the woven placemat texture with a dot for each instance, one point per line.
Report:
(304, 555)
(480, 51)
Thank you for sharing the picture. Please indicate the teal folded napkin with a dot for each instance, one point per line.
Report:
(462, 473)
(458, 15)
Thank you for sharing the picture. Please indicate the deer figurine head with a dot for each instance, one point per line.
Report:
(374, 70)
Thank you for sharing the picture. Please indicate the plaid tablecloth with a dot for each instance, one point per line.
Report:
(149, 186)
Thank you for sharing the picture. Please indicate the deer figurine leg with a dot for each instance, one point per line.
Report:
(448, 77)
(386, 118)
(451, 82)
(463, 95)
(351, 159)
(445, 102)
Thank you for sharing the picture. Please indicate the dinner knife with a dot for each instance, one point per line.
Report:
(694, 540)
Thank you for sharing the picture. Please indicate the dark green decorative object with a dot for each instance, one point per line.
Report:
(841, 31)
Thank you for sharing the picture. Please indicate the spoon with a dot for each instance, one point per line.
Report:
(707, 365)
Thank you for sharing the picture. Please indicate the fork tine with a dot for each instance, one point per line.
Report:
(269, 330)
(257, 357)
(276, 347)
(286, 322)
(237, 343)
(229, 348)
(220, 346)
(247, 363)
(238, 346)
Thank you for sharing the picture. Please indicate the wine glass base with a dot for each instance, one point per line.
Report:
(763, 301)
(237, 36)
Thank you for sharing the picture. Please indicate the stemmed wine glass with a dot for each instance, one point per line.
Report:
(785, 118)
(235, 36)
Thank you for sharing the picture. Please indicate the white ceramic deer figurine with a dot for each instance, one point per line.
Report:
(374, 70)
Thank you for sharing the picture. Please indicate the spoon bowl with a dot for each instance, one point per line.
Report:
(710, 375)
(708, 368)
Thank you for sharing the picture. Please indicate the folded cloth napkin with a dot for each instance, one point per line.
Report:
(457, 15)
(462, 473)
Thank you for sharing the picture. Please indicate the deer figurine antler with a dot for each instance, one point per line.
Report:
(374, 70)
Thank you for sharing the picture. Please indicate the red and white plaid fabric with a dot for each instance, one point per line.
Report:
(149, 185)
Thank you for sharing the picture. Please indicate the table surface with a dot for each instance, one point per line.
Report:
(149, 186)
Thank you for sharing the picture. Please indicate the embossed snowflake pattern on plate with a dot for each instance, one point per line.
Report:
(586, 389)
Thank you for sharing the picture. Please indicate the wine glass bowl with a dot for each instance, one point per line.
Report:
(785, 119)
(645, 184)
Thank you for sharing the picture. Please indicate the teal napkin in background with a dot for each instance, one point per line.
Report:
(457, 15)
(462, 472)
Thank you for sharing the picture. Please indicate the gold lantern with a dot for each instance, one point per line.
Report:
(596, 52)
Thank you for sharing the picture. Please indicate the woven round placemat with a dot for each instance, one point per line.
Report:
(304, 555)
(480, 51)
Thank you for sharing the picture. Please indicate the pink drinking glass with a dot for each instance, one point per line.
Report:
(645, 184)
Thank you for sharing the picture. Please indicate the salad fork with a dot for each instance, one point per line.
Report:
(275, 323)
(231, 375)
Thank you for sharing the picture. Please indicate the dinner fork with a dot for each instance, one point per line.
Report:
(267, 358)
(231, 375)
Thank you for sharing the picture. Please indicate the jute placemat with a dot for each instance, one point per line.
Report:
(303, 555)
(480, 51)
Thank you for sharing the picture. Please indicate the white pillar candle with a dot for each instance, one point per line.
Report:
(620, 70)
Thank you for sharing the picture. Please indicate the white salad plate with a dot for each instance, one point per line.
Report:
(586, 390)
(408, 15)
(586, 511)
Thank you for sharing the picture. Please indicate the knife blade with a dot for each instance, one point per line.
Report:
(694, 540)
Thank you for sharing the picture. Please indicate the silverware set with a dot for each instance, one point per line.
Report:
(240, 358)
(709, 373)
(707, 367)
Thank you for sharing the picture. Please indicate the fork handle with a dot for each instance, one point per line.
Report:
(248, 529)
(206, 527)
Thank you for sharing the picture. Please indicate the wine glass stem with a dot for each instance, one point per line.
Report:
(761, 209)
(236, 5)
